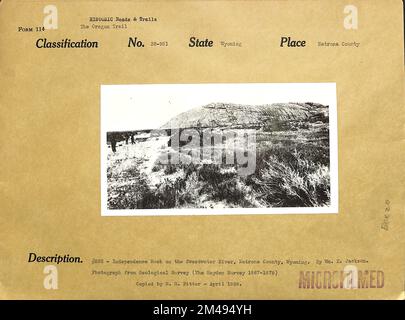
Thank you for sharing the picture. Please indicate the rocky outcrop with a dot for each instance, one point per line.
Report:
(237, 115)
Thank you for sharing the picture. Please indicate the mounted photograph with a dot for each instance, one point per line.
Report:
(206, 149)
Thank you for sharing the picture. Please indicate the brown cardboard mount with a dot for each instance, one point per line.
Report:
(50, 199)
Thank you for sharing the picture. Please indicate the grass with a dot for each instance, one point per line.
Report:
(296, 183)
(292, 175)
(289, 173)
(198, 182)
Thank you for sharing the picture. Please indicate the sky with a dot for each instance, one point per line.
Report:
(149, 106)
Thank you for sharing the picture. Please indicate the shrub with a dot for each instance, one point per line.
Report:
(191, 193)
(170, 169)
(294, 174)
(164, 196)
(297, 182)
(127, 196)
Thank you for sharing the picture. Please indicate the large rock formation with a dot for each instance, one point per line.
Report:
(246, 116)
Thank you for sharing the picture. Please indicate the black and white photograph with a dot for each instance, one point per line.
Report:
(186, 149)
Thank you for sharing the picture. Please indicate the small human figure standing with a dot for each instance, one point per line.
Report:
(113, 144)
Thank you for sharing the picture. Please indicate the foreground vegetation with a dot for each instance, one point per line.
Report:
(288, 174)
